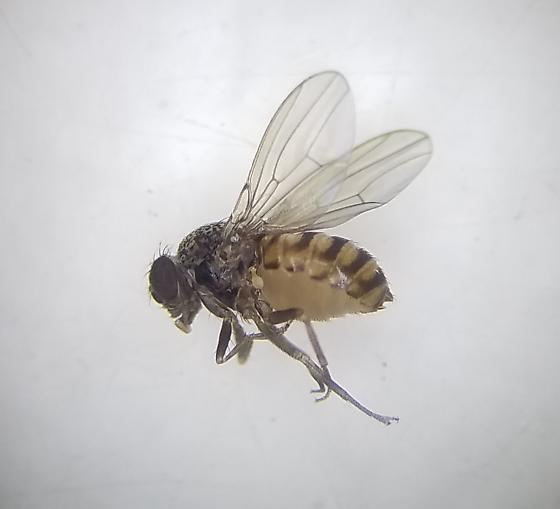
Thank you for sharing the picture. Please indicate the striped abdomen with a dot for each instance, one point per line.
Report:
(323, 276)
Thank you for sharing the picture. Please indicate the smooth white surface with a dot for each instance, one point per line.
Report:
(128, 124)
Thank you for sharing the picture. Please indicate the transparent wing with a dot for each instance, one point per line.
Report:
(375, 173)
(309, 137)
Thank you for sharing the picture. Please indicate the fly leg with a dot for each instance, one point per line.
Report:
(280, 341)
(223, 341)
(292, 314)
(320, 357)
(243, 344)
(286, 317)
(230, 323)
(243, 340)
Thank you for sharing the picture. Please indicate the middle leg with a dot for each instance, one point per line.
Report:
(320, 357)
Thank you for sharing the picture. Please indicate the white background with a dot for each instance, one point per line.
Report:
(125, 125)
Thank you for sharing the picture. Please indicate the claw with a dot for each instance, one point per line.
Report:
(385, 419)
(323, 387)
(324, 396)
(319, 389)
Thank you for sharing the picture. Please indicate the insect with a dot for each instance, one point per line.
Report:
(267, 264)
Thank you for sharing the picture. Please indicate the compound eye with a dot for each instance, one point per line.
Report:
(164, 280)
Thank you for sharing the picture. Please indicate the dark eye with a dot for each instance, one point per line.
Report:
(164, 282)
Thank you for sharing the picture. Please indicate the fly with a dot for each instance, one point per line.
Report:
(267, 264)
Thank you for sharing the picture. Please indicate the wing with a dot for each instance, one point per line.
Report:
(376, 172)
(305, 177)
(312, 129)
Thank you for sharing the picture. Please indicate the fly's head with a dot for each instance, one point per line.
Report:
(170, 287)
(174, 280)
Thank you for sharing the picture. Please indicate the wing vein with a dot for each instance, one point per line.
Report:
(305, 173)
(315, 102)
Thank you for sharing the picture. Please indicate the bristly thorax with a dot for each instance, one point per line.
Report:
(218, 263)
(200, 243)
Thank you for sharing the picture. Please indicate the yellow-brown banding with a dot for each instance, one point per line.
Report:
(303, 241)
(351, 267)
(367, 279)
(333, 250)
(345, 269)
(271, 251)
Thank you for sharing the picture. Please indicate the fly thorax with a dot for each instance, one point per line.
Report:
(200, 244)
(218, 262)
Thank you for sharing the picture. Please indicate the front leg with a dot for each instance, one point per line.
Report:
(223, 341)
(243, 341)
(230, 323)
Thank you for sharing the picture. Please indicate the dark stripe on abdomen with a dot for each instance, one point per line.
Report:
(331, 253)
(366, 283)
(361, 259)
(303, 242)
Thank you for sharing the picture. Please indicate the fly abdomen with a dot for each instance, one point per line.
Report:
(324, 276)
